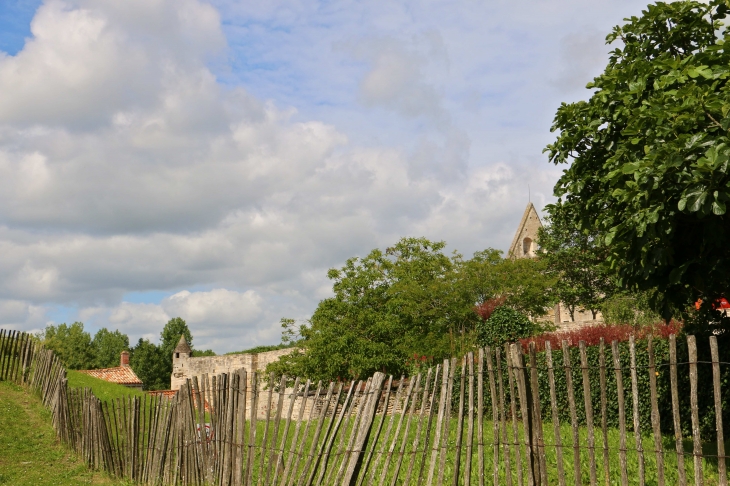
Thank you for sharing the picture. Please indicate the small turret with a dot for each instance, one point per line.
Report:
(182, 350)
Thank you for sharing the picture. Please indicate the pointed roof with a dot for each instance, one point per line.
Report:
(183, 346)
(529, 225)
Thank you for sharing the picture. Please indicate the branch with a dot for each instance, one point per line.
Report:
(711, 117)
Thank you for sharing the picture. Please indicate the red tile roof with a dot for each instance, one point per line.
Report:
(122, 375)
(169, 394)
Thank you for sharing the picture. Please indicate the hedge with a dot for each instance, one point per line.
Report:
(661, 350)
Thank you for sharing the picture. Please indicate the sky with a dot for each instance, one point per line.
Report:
(212, 160)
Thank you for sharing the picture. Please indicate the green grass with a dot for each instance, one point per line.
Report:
(710, 472)
(30, 454)
(103, 390)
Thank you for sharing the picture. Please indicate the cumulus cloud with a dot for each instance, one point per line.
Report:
(21, 315)
(86, 60)
(148, 145)
(397, 78)
(220, 318)
(225, 308)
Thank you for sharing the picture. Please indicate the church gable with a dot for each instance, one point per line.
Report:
(524, 243)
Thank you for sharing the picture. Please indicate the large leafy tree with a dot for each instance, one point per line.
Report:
(577, 261)
(649, 154)
(387, 306)
(522, 284)
(170, 336)
(71, 343)
(150, 365)
(411, 299)
(108, 346)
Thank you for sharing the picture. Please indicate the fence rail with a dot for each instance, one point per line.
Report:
(598, 415)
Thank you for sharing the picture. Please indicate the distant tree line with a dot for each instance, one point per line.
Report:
(151, 362)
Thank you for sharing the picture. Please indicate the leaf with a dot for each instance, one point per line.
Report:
(697, 202)
(718, 208)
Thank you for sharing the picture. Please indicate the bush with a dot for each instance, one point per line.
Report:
(504, 325)
(592, 335)
(262, 349)
(629, 309)
(621, 334)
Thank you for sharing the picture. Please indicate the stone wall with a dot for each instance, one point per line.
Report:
(566, 326)
(186, 367)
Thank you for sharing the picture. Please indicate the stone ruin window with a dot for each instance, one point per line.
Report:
(527, 246)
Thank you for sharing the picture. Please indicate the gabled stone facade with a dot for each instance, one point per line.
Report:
(524, 243)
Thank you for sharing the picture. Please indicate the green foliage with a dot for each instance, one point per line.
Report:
(577, 261)
(71, 343)
(107, 347)
(650, 153)
(103, 390)
(624, 308)
(151, 365)
(409, 300)
(504, 325)
(262, 349)
(170, 336)
(706, 405)
(523, 283)
(387, 307)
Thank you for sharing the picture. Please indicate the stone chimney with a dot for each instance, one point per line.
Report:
(125, 358)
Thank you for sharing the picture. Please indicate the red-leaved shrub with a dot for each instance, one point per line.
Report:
(486, 308)
(593, 334)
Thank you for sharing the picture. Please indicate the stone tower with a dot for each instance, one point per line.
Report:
(182, 350)
(524, 244)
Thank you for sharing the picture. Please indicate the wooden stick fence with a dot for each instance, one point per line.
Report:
(497, 416)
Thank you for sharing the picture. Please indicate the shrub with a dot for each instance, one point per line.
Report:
(487, 308)
(504, 325)
(660, 334)
(592, 335)
(629, 309)
(262, 349)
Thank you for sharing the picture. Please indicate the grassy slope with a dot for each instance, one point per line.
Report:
(103, 390)
(29, 451)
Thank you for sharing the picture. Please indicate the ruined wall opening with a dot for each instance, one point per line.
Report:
(527, 247)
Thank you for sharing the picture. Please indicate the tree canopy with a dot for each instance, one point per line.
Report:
(411, 299)
(577, 261)
(71, 343)
(649, 154)
(151, 363)
(170, 336)
(108, 346)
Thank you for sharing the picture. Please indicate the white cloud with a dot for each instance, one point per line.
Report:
(398, 79)
(136, 320)
(147, 145)
(219, 307)
(87, 59)
(220, 318)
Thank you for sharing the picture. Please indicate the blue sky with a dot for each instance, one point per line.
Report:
(211, 160)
